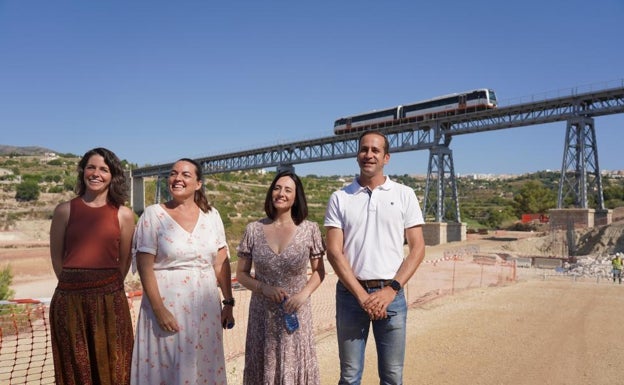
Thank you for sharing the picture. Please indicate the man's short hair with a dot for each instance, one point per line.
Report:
(386, 143)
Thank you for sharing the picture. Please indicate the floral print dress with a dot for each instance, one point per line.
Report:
(187, 283)
(272, 355)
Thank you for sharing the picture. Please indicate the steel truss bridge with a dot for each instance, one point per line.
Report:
(580, 172)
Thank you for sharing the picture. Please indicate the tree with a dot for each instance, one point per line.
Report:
(27, 191)
(495, 217)
(534, 198)
(613, 195)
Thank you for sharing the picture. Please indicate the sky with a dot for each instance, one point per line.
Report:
(157, 80)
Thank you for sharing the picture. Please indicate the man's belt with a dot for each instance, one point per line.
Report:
(374, 283)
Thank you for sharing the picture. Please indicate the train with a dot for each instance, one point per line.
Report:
(452, 104)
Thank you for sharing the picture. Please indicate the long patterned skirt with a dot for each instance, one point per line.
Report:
(91, 328)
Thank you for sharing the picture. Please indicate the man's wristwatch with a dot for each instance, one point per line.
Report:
(229, 302)
(395, 285)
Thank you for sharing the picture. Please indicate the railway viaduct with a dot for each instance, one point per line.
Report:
(580, 172)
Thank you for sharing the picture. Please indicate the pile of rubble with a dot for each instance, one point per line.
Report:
(589, 266)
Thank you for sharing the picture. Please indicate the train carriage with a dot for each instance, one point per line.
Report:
(459, 103)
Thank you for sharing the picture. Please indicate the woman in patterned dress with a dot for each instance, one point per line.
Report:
(90, 240)
(181, 255)
(280, 247)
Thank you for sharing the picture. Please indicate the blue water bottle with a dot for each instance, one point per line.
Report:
(291, 323)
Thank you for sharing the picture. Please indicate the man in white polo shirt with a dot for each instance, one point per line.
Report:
(367, 223)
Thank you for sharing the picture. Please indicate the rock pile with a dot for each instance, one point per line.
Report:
(590, 266)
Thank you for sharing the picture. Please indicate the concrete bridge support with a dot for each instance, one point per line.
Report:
(438, 233)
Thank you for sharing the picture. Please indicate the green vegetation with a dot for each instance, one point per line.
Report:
(613, 192)
(15, 319)
(239, 196)
(6, 278)
(26, 191)
(534, 197)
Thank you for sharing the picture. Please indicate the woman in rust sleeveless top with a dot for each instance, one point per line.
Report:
(90, 242)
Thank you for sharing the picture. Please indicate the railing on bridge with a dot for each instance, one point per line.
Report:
(435, 135)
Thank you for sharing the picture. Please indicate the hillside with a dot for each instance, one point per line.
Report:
(6, 150)
(239, 197)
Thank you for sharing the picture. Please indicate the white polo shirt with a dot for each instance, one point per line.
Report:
(374, 226)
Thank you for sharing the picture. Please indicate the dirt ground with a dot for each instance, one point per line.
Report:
(540, 330)
(532, 332)
(536, 331)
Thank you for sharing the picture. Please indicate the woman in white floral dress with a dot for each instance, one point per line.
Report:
(181, 255)
(280, 247)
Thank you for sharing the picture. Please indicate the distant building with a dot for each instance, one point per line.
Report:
(616, 174)
(48, 156)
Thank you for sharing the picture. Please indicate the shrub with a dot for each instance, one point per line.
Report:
(6, 278)
(27, 191)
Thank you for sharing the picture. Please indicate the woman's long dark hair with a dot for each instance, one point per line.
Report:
(118, 188)
(200, 196)
(299, 210)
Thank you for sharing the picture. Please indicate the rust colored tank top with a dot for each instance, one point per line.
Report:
(92, 237)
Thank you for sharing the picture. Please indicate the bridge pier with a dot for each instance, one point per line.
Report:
(137, 196)
(439, 233)
(579, 218)
(440, 182)
(580, 173)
